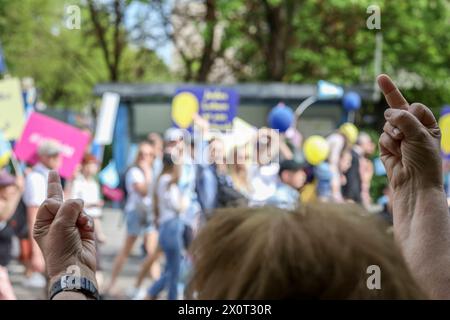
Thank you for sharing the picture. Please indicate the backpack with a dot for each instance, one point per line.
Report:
(227, 195)
(122, 183)
(122, 186)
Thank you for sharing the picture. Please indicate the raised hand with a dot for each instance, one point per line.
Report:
(65, 233)
(410, 142)
(410, 151)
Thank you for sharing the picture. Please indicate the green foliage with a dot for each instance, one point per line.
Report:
(65, 63)
(330, 40)
(295, 41)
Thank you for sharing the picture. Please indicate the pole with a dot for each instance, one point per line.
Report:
(377, 64)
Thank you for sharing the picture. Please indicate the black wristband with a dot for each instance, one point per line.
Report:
(74, 284)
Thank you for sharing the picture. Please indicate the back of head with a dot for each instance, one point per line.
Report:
(317, 252)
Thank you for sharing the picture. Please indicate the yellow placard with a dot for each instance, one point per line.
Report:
(12, 117)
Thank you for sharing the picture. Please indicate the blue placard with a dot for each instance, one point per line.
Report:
(218, 105)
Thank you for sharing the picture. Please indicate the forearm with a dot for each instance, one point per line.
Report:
(422, 228)
(285, 151)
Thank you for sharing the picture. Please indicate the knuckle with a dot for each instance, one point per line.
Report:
(402, 115)
(58, 222)
(422, 134)
(74, 204)
(417, 105)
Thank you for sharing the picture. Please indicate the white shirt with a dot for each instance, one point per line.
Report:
(89, 192)
(36, 186)
(264, 181)
(134, 199)
(169, 199)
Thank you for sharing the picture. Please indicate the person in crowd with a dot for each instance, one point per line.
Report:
(139, 182)
(364, 148)
(385, 202)
(294, 140)
(323, 178)
(172, 143)
(346, 164)
(239, 172)
(86, 187)
(206, 189)
(194, 174)
(158, 144)
(11, 189)
(292, 179)
(227, 194)
(170, 203)
(350, 174)
(339, 140)
(297, 254)
(264, 174)
(49, 158)
(206, 181)
(177, 144)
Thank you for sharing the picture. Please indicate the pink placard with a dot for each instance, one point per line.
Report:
(40, 127)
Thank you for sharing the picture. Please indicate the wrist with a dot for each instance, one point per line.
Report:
(412, 194)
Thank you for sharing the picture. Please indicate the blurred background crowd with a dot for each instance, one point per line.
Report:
(154, 109)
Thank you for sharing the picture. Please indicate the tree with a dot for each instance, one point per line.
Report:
(66, 63)
(107, 20)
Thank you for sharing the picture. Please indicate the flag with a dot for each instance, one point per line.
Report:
(5, 150)
(109, 176)
(328, 90)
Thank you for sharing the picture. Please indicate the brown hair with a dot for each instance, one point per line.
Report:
(169, 167)
(316, 252)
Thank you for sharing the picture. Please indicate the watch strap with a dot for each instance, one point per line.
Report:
(76, 284)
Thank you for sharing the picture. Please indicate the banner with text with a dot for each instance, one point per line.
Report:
(40, 128)
(215, 104)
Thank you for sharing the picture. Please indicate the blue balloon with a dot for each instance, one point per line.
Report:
(351, 101)
(280, 118)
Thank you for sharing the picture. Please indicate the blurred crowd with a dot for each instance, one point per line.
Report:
(184, 175)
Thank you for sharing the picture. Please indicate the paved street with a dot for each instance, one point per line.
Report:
(115, 230)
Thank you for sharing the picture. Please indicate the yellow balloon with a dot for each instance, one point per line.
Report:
(444, 125)
(316, 150)
(184, 107)
(350, 131)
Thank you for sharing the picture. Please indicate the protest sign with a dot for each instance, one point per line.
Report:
(40, 128)
(12, 117)
(215, 104)
(107, 118)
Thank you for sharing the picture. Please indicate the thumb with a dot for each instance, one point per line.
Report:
(86, 227)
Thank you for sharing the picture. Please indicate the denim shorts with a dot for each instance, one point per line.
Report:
(135, 224)
(171, 234)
